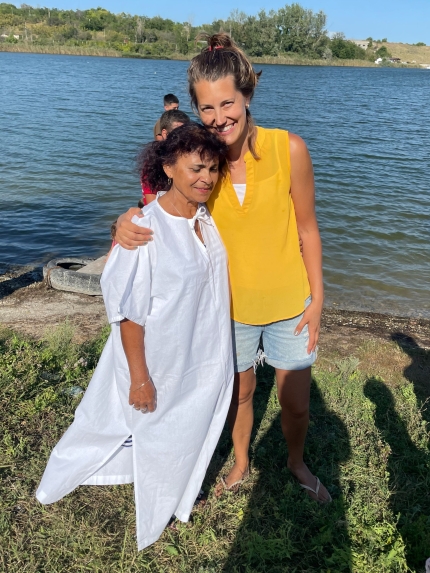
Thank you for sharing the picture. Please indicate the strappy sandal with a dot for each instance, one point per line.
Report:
(222, 486)
(316, 492)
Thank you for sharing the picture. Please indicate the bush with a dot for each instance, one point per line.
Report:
(383, 52)
(69, 32)
(346, 50)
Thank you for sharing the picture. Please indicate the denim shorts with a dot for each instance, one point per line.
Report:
(274, 343)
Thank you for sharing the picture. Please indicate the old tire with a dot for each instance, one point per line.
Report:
(61, 274)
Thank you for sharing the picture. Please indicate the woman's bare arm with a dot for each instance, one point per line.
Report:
(129, 235)
(303, 195)
(142, 391)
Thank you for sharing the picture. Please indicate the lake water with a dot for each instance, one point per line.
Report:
(71, 127)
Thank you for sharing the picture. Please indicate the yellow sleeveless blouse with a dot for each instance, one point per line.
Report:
(267, 275)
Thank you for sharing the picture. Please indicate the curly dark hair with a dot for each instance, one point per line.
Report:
(188, 138)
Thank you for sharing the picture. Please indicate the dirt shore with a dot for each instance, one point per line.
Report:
(27, 305)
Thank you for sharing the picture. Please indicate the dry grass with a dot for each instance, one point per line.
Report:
(302, 61)
(408, 53)
(59, 49)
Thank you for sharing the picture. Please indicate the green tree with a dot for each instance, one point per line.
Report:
(345, 49)
(183, 45)
(383, 52)
(259, 34)
(301, 30)
(97, 19)
(7, 8)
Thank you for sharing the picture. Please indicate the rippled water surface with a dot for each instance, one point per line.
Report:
(71, 127)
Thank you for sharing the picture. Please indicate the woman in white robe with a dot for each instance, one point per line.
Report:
(165, 375)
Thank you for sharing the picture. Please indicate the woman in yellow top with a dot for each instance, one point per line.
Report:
(261, 206)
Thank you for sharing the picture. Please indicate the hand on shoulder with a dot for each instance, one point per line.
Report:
(128, 234)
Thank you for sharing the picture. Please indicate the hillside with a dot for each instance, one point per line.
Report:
(409, 53)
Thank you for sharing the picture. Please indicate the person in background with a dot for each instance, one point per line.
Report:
(261, 205)
(170, 102)
(157, 402)
(172, 119)
(169, 121)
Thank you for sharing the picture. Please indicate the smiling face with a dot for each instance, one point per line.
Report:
(223, 108)
(193, 177)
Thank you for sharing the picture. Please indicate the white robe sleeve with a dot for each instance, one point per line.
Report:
(126, 283)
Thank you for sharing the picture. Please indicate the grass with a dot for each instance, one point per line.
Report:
(368, 441)
(292, 60)
(59, 49)
(298, 60)
(409, 53)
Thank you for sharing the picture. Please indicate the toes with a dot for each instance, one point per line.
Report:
(324, 496)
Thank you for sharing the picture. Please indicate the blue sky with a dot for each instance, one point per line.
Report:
(397, 20)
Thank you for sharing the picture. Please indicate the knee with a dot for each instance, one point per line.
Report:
(296, 411)
(243, 394)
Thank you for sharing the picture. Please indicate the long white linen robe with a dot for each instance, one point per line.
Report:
(178, 290)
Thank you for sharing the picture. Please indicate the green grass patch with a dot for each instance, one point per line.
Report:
(368, 442)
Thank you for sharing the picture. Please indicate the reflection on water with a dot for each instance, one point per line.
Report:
(71, 127)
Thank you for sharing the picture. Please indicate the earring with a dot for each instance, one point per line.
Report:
(169, 182)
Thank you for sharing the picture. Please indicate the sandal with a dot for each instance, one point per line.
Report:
(316, 491)
(222, 486)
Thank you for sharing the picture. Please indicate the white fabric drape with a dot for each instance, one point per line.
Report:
(178, 289)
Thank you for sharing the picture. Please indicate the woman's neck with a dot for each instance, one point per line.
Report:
(176, 204)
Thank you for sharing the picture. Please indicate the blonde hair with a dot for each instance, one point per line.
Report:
(220, 58)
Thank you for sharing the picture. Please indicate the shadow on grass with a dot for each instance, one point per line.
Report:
(409, 468)
(282, 528)
(418, 372)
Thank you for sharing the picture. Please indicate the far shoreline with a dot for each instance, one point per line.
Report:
(268, 60)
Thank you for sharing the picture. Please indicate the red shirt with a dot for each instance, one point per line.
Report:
(146, 191)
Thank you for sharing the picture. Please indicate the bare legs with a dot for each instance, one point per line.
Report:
(240, 419)
(293, 394)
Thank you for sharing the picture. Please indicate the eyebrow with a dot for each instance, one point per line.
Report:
(222, 103)
(203, 165)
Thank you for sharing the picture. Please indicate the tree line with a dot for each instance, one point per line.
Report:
(289, 30)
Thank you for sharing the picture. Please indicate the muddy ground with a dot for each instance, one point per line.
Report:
(27, 305)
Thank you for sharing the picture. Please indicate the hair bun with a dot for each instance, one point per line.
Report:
(216, 41)
(223, 58)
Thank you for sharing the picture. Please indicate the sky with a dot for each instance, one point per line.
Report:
(396, 20)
